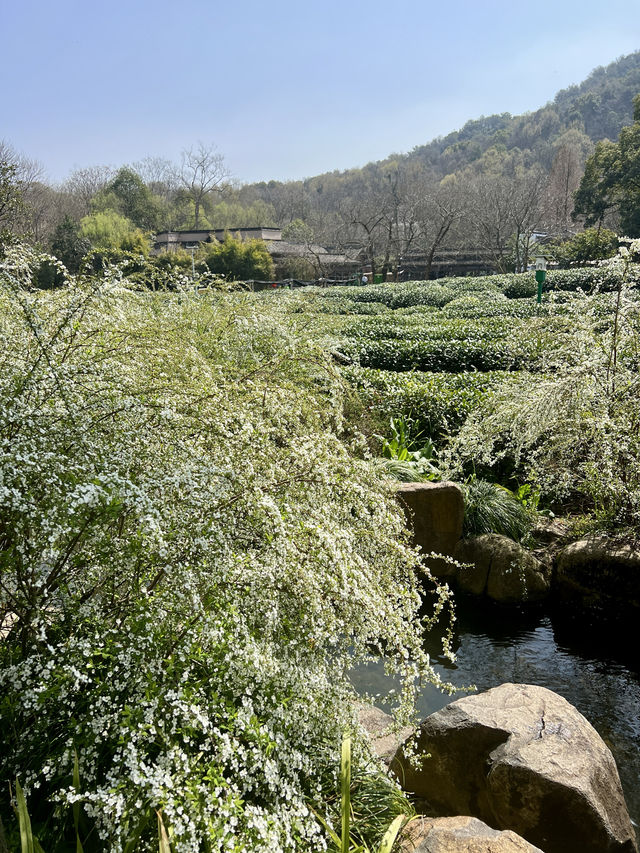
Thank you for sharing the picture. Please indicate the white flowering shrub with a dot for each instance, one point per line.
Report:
(573, 427)
(191, 558)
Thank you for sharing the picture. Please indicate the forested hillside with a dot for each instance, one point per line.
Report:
(484, 193)
(489, 186)
(599, 107)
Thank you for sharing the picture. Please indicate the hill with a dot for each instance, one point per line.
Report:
(484, 190)
(598, 107)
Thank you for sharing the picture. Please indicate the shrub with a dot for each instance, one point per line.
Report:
(67, 244)
(490, 508)
(192, 559)
(447, 349)
(236, 259)
(592, 244)
(474, 306)
(436, 403)
(109, 230)
(573, 430)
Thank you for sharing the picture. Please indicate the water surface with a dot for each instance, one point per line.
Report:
(592, 663)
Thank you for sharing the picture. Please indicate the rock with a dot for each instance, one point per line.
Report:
(599, 572)
(475, 555)
(379, 727)
(435, 512)
(460, 835)
(521, 757)
(501, 569)
(551, 531)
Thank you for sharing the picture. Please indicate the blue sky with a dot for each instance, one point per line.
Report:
(284, 89)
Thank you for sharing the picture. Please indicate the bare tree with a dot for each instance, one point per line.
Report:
(397, 204)
(201, 172)
(367, 216)
(570, 154)
(505, 210)
(26, 176)
(84, 184)
(439, 207)
(41, 211)
(159, 174)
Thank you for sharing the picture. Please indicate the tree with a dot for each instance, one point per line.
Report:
(399, 228)
(84, 184)
(202, 172)
(593, 244)
(234, 214)
(69, 245)
(309, 262)
(597, 194)
(42, 213)
(612, 179)
(111, 230)
(439, 209)
(363, 213)
(10, 197)
(134, 199)
(23, 198)
(238, 260)
(505, 207)
(570, 153)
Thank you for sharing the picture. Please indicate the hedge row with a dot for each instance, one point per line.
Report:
(436, 343)
(438, 403)
(513, 285)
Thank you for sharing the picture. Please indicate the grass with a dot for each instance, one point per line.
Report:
(490, 508)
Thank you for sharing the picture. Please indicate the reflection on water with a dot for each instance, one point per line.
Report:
(594, 666)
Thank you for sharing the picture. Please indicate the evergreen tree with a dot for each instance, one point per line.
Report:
(68, 245)
(612, 180)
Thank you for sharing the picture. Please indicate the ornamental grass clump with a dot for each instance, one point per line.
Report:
(191, 558)
(491, 508)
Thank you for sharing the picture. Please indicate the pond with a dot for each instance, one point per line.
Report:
(591, 662)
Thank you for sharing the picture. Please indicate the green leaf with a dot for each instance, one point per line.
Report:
(26, 835)
(76, 805)
(331, 832)
(345, 784)
(164, 845)
(132, 843)
(391, 834)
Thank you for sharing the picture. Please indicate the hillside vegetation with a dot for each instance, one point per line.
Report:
(479, 196)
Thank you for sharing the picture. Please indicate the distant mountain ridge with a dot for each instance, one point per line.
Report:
(599, 106)
(590, 111)
(483, 190)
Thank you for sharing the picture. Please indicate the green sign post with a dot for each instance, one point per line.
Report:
(541, 274)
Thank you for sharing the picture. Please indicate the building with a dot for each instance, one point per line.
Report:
(171, 241)
(318, 261)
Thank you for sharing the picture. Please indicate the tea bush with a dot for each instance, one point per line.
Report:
(439, 292)
(435, 343)
(448, 356)
(474, 306)
(436, 403)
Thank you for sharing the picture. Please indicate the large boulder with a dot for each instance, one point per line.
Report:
(502, 569)
(600, 572)
(521, 757)
(460, 835)
(435, 512)
(384, 735)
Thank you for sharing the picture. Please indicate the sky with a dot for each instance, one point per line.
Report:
(284, 90)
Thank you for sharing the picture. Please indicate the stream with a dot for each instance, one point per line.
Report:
(593, 664)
